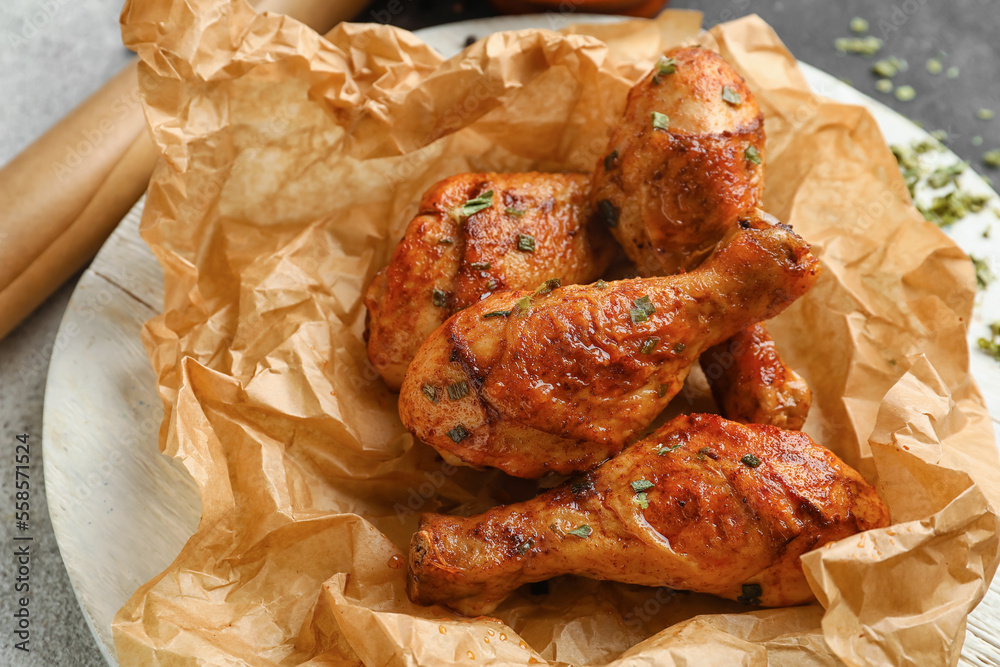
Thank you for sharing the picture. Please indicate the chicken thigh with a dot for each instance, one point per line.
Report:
(476, 234)
(561, 379)
(702, 504)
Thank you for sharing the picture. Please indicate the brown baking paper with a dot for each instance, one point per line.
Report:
(292, 164)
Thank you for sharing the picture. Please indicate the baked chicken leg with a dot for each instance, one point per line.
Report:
(702, 504)
(561, 380)
(684, 164)
(476, 234)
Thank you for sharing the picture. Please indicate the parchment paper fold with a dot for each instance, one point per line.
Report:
(291, 165)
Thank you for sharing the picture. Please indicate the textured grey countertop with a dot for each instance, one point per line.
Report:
(53, 53)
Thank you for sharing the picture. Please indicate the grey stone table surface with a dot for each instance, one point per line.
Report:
(53, 53)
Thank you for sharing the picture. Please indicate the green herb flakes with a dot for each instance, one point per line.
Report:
(581, 531)
(991, 345)
(439, 298)
(731, 96)
(664, 450)
(750, 461)
(664, 66)
(751, 594)
(660, 121)
(942, 176)
(526, 242)
(601, 284)
(752, 154)
(608, 212)
(472, 206)
(649, 345)
(984, 274)
(948, 209)
(430, 392)
(905, 93)
(641, 485)
(458, 390)
(864, 46)
(525, 546)
(679, 347)
(458, 434)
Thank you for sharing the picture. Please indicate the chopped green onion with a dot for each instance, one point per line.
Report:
(752, 154)
(638, 315)
(479, 266)
(524, 547)
(664, 66)
(472, 206)
(601, 284)
(497, 313)
(523, 303)
(439, 298)
(750, 461)
(548, 286)
(458, 434)
(581, 531)
(679, 347)
(660, 121)
(526, 242)
(458, 390)
(664, 450)
(662, 390)
(581, 486)
(649, 345)
(731, 96)
(641, 485)
(430, 392)
(640, 500)
(984, 274)
(516, 212)
(645, 304)
(445, 241)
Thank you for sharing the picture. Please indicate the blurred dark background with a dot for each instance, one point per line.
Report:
(962, 34)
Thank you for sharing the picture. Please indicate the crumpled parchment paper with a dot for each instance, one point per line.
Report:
(291, 165)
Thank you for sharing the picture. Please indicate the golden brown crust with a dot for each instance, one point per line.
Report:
(465, 258)
(677, 191)
(569, 378)
(729, 506)
(751, 383)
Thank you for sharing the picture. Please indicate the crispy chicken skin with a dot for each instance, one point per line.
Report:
(752, 384)
(669, 195)
(464, 257)
(674, 193)
(561, 381)
(727, 509)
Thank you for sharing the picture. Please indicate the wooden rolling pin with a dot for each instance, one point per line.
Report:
(65, 193)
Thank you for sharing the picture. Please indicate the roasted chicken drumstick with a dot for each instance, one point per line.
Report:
(561, 380)
(476, 234)
(703, 504)
(684, 164)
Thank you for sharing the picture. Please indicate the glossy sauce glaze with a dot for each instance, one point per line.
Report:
(702, 504)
